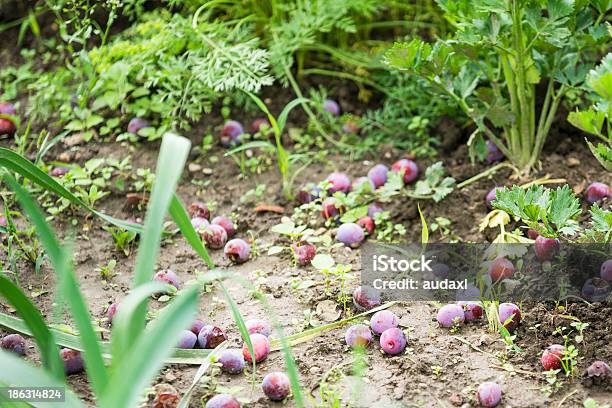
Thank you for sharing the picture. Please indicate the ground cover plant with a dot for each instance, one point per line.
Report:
(192, 192)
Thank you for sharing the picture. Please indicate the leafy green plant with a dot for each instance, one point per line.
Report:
(500, 52)
(552, 213)
(597, 118)
(135, 350)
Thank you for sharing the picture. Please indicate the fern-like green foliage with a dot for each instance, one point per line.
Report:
(550, 212)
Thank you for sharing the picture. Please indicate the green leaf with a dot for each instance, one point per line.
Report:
(42, 335)
(323, 261)
(146, 357)
(68, 287)
(590, 121)
(355, 214)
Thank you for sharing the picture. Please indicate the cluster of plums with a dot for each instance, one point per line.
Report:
(275, 385)
(217, 232)
(384, 323)
(352, 234)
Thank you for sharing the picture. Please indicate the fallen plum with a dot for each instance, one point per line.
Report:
(339, 182)
(198, 209)
(493, 152)
(230, 133)
(237, 251)
(383, 320)
(471, 310)
(331, 208)
(73, 361)
(223, 401)
(276, 386)
(606, 270)
(358, 335)
(407, 168)
(14, 343)
(597, 192)
(509, 315)
(188, 340)
(350, 234)
(258, 326)
(393, 341)
(260, 124)
(167, 276)
(7, 126)
(378, 175)
(227, 225)
(367, 223)
(211, 336)
(500, 269)
(261, 348)
(196, 326)
(136, 125)
(450, 315)
(214, 235)
(331, 106)
(489, 394)
(303, 253)
(546, 248)
(232, 361)
(552, 357)
(366, 298)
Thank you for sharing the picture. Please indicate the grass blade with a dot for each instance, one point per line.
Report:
(213, 356)
(123, 321)
(172, 157)
(149, 353)
(16, 372)
(33, 319)
(62, 264)
(181, 218)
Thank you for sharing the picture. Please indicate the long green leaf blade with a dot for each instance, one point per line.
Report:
(49, 353)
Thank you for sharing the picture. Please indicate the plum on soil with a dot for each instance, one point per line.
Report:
(258, 326)
(393, 341)
(237, 251)
(366, 298)
(489, 394)
(211, 336)
(358, 335)
(14, 343)
(223, 401)
(226, 224)
(232, 361)
(383, 320)
(509, 315)
(350, 234)
(261, 348)
(450, 315)
(276, 386)
(187, 340)
(407, 168)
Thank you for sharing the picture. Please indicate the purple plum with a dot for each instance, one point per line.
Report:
(393, 341)
(59, 171)
(491, 195)
(532, 234)
(546, 248)
(510, 313)
(196, 326)
(258, 326)
(199, 223)
(230, 134)
(407, 168)
(276, 386)
(366, 298)
(303, 253)
(111, 312)
(331, 107)
(261, 348)
(383, 320)
(237, 251)
(210, 337)
(361, 181)
(599, 369)
(14, 343)
(339, 182)
(227, 225)
(373, 209)
(493, 152)
(214, 236)
(308, 193)
(471, 310)
(606, 270)
(331, 207)
(367, 223)
(73, 361)
(489, 394)
(7, 126)
(232, 361)
(350, 234)
(136, 125)
(222, 401)
(597, 192)
(450, 315)
(501, 269)
(167, 276)
(358, 335)
(596, 289)
(187, 340)
(552, 357)
(198, 209)
(378, 175)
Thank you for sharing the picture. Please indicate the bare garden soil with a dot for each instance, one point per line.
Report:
(439, 369)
